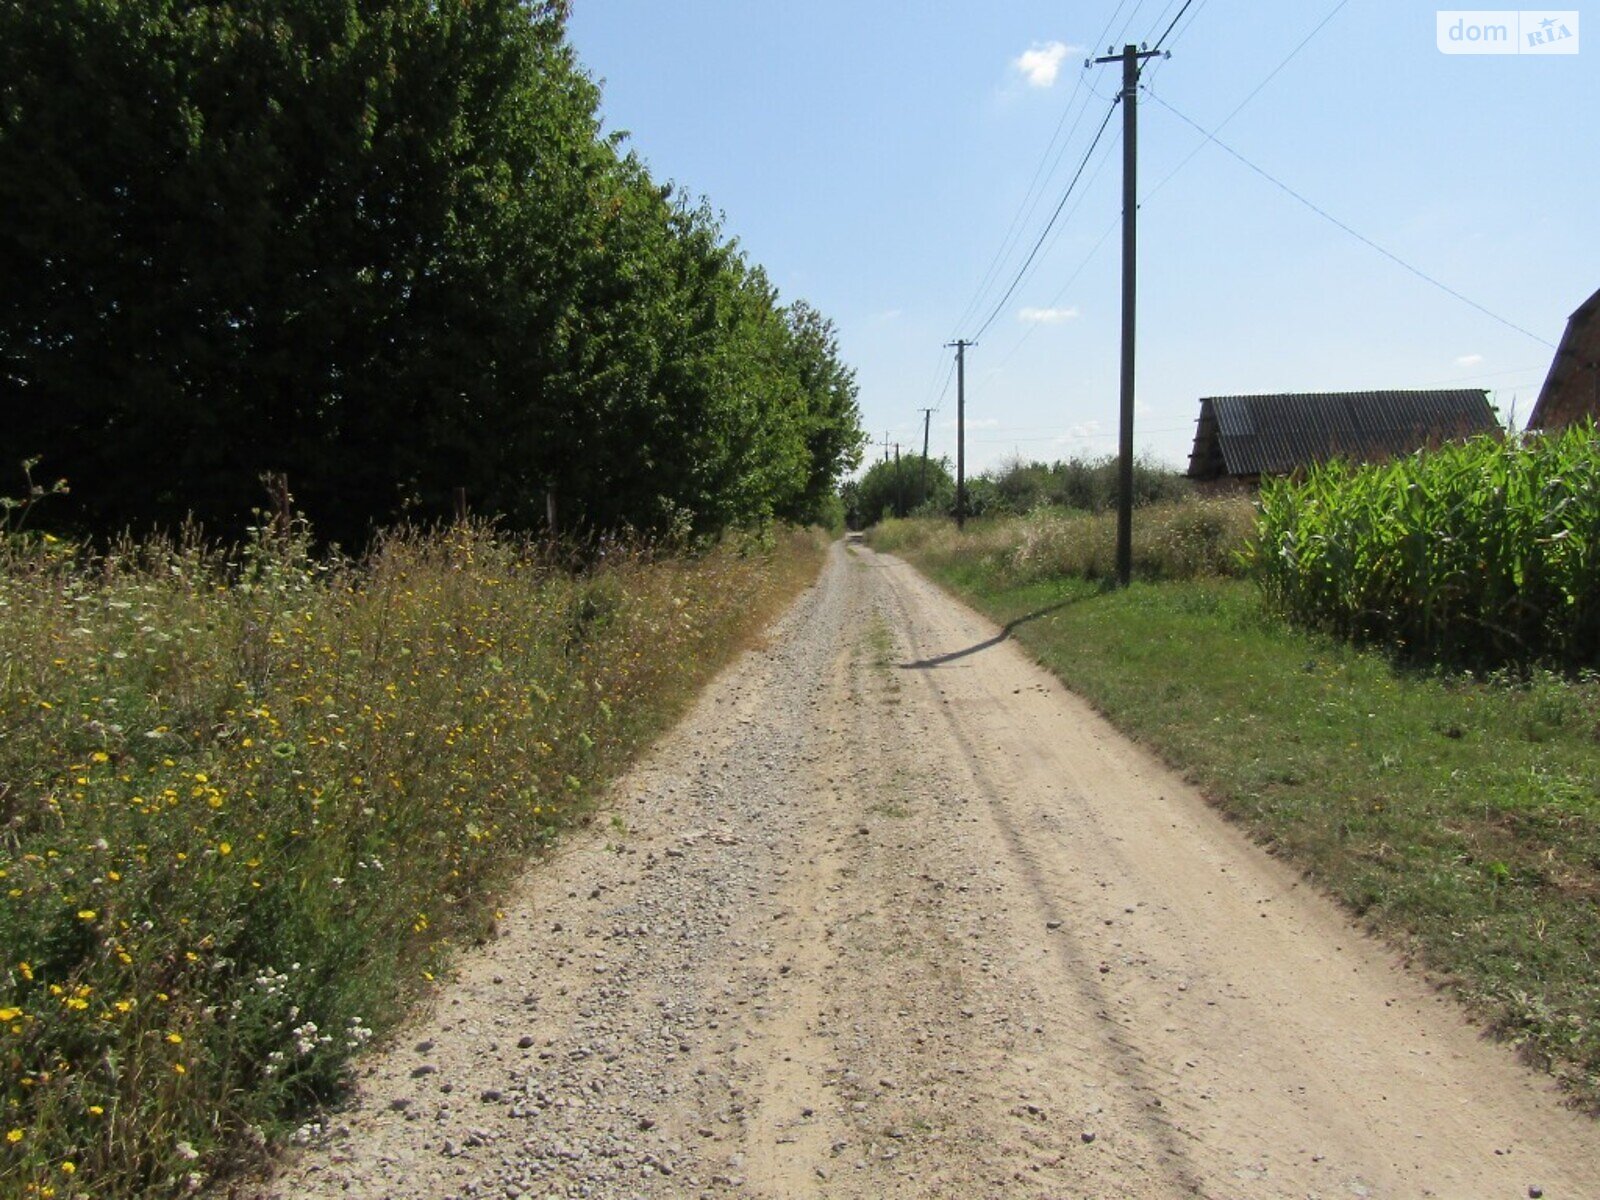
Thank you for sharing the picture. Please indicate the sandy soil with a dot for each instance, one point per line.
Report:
(892, 914)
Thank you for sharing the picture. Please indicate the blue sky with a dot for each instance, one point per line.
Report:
(874, 155)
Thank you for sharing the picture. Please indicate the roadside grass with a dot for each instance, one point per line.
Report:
(252, 804)
(1194, 537)
(1460, 817)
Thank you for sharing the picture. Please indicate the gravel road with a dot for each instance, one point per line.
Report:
(892, 914)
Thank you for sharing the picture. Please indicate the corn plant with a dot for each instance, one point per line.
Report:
(1483, 553)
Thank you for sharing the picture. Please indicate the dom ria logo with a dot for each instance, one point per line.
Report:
(1507, 32)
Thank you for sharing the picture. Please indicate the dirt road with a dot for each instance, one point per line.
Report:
(894, 915)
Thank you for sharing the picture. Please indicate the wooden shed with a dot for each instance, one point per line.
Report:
(1245, 437)
(1571, 391)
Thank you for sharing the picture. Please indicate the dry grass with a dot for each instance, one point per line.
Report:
(1185, 539)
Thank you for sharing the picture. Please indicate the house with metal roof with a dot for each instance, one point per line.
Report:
(1571, 391)
(1246, 437)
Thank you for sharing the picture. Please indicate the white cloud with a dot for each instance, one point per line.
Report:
(1041, 62)
(1046, 316)
(1469, 360)
(888, 314)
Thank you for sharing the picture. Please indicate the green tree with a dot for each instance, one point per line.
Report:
(888, 490)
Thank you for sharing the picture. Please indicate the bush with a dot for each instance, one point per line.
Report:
(1086, 485)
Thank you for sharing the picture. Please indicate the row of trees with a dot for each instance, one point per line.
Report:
(385, 249)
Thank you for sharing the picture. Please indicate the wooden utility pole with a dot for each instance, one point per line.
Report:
(1129, 58)
(922, 492)
(961, 345)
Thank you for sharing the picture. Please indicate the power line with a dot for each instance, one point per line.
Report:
(1111, 227)
(1193, 17)
(1030, 201)
(1050, 224)
(1122, 35)
(1036, 186)
(1154, 68)
(1163, 38)
(1360, 237)
(1254, 92)
(1071, 279)
(945, 390)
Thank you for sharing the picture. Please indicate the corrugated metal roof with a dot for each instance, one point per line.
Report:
(1275, 434)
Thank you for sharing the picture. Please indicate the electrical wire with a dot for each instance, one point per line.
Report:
(1071, 279)
(1095, 249)
(945, 390)
(1161, 41)
(1254, 92)
(1038, 184)
(1122, 35)
(1360, 237)
(1193, 17)
(1155, 66)
(1030, 202)
(1050, 224)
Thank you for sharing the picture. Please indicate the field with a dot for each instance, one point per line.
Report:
(252, 803)
(1479, 554)
(1457, 815)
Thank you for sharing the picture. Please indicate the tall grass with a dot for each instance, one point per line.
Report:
(249, 804)
(1184, 539)
(1482, 553)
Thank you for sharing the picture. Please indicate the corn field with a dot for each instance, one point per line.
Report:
(1485, 553)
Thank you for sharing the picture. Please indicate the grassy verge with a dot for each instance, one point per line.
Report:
(1183, 539)
(1459, 817)
(251, 805)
